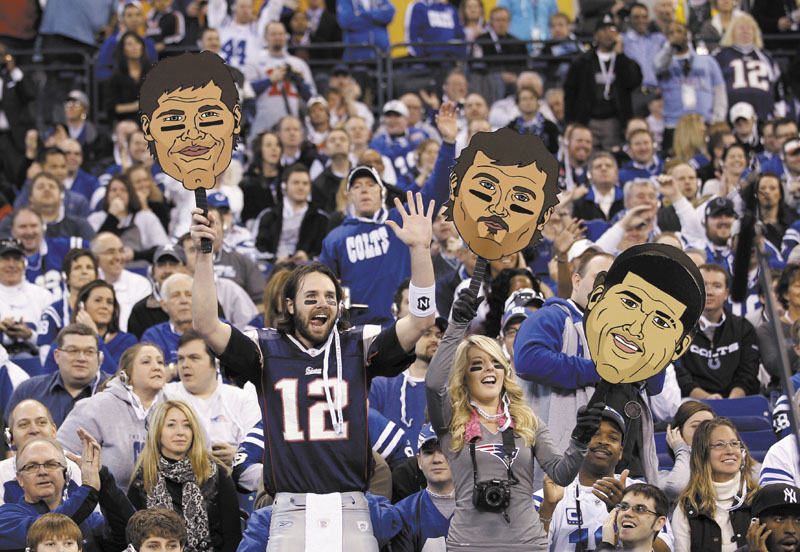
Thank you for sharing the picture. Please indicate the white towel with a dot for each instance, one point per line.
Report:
(324, 522)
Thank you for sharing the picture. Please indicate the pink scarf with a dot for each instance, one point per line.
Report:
(504, 421)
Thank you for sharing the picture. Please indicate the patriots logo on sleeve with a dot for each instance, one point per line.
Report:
(498, 452)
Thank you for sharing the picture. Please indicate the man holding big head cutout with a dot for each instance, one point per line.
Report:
(641, 315)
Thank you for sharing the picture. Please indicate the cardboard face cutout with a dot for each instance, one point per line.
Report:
(503, 189)
(191, 117)
(642, 312)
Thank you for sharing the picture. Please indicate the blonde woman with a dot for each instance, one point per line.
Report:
(713, 511)
(491, 437)
(689, 142)
(175, 471)
(750, 73)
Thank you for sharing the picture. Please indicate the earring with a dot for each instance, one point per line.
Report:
(123, 377)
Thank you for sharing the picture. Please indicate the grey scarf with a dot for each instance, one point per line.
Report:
(194, 512)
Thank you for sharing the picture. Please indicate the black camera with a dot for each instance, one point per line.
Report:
(491, 496)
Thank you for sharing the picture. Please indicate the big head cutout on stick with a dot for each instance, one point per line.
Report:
(503, 188)
(191, 118)
(642, 313)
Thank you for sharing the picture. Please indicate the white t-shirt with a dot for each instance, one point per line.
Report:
(565, 529)
(226, 416)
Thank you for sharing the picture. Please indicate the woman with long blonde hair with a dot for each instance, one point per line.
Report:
(750, 74)
(689, 143)
(175, 471)
(491, 438)
(713, 511)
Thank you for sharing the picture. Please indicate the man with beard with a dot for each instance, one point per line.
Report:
(576, 513)
(573, 169)
(315, 422)
(402, 398)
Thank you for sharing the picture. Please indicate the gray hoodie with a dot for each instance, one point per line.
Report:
(119, 423)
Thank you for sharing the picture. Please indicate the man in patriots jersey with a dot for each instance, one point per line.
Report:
(388, 440)
(44, 255)
(241, 35)
(426, 514)
(574, 515)
(316, 423)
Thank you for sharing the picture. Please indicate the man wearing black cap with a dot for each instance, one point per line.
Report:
(599, 86)
(167, 260)
(363, 252)
(723, 359)
(575, 514)
(776, 520)
(715, 239)
(21, 303)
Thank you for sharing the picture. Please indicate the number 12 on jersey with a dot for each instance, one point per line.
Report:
(319, 427)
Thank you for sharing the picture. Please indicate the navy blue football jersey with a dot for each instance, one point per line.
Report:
(303, 451)
(752, 78)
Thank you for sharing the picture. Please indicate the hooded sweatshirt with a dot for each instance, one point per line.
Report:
(121, 438)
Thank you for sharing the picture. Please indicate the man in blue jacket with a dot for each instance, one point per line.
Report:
(364, 22)
(363, 252)
(42, 472)
(550, 350)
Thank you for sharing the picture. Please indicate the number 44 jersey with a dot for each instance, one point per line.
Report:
(304, 452)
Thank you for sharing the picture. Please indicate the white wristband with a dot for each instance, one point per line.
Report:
(421, 301)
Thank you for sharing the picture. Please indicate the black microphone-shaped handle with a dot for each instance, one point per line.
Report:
(741, 259)
(201, 201)
(477, 275)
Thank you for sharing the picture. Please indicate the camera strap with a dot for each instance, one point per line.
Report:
(508, 452)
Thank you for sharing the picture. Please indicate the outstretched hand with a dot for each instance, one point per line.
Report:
(587, 422)
(417, 228)
(447, 122)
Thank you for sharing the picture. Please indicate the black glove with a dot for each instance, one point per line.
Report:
(588, 422)
(465, 308)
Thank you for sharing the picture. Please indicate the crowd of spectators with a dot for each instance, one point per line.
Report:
(664, 117)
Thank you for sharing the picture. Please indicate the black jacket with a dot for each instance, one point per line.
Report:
(549, 134)
(587, 209)
(706, 535)
(259, 192)
(730, 360)
(509, 46)
(767, 13)
(313, 229)
(579, 87)
(324, 190)
(221, 501)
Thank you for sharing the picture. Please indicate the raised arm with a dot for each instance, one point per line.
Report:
(440, 412)
(416, 234)
(204, 290)
(437, 187)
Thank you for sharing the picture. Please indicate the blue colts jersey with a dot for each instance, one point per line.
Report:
(44, 266)
(303, 452)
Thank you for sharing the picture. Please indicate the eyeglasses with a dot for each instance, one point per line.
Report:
(75, 352)
(637, 508)
(722, 445)
(33, 467)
